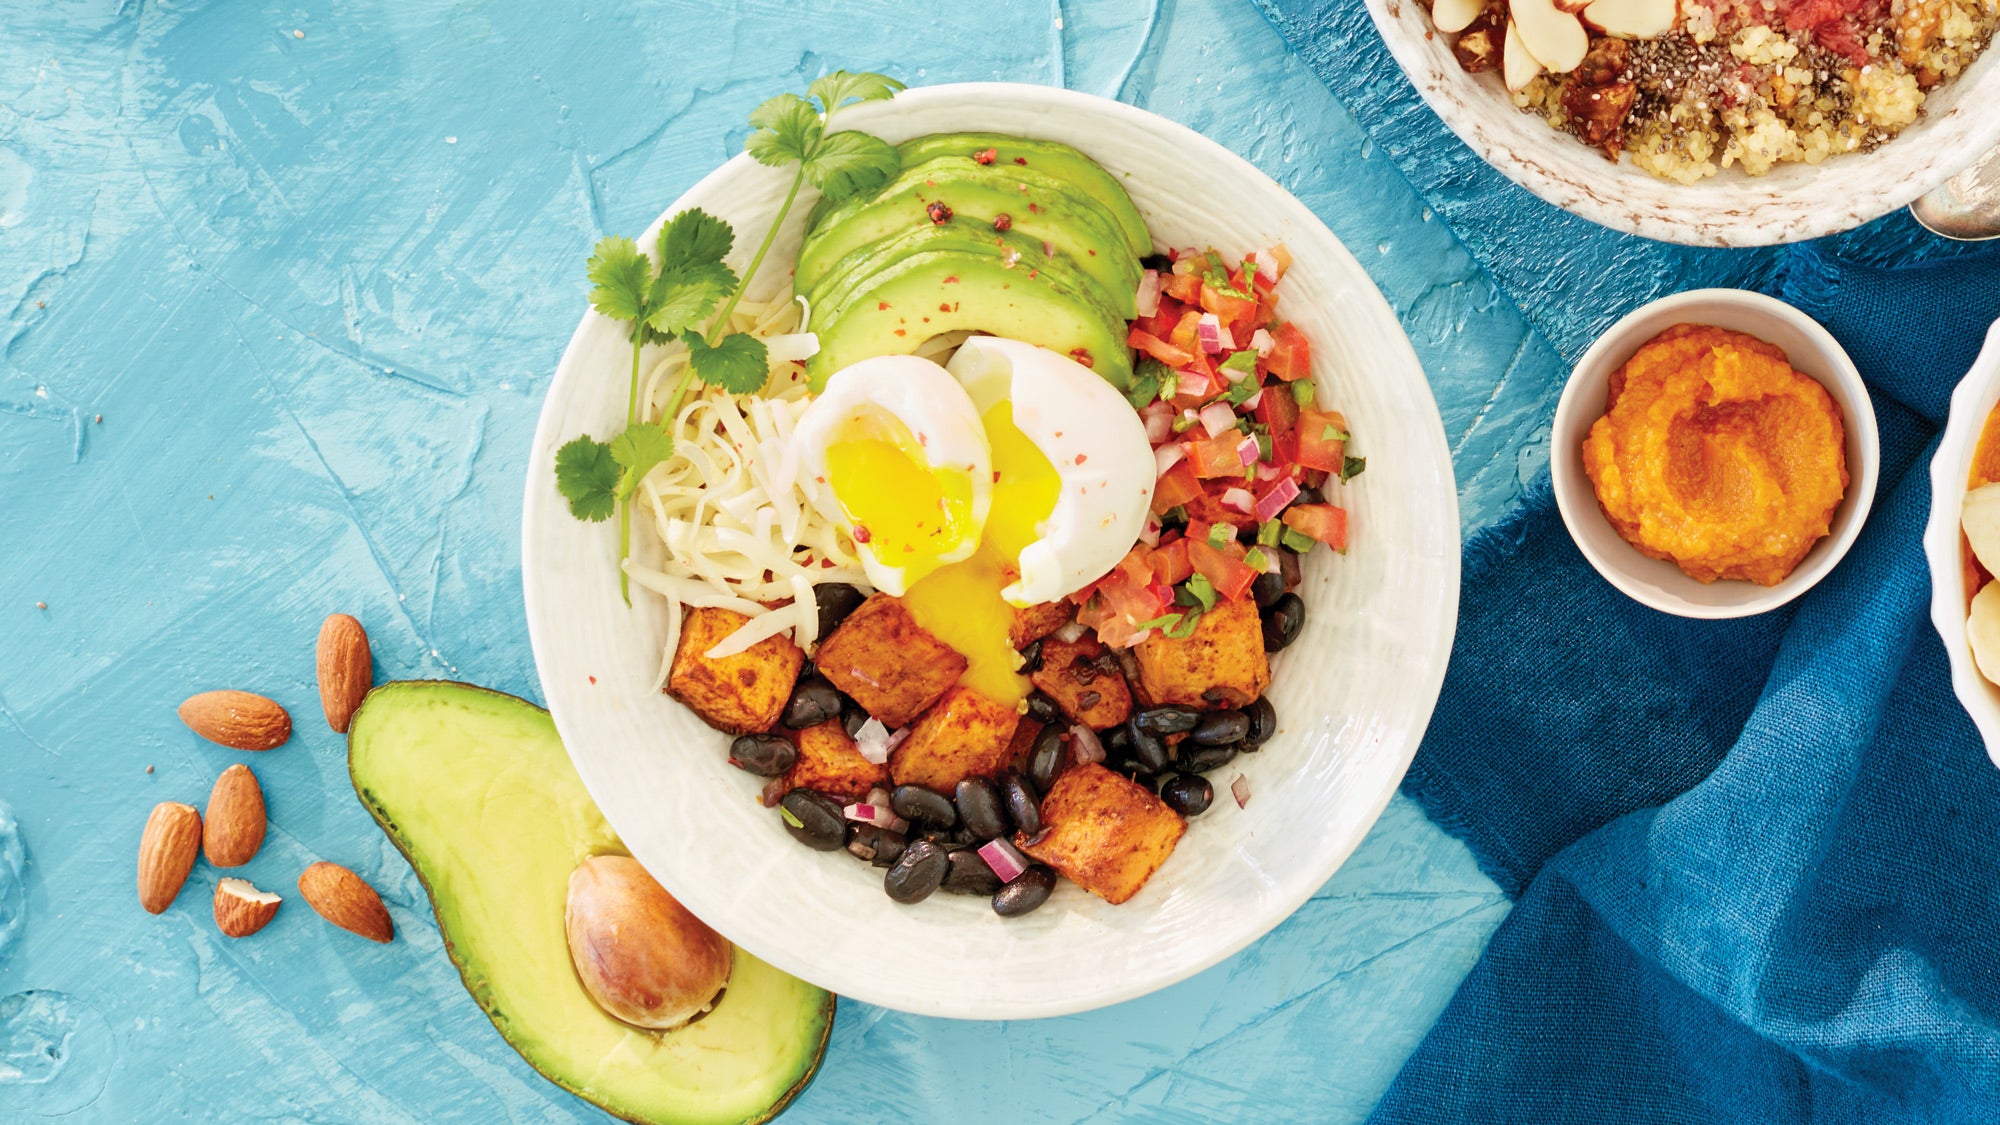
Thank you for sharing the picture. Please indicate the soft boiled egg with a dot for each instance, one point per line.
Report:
(894, 452)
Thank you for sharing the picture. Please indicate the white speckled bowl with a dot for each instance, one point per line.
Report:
(1977, 395)
(1656, 582)
(1793, 203)
(1353, 694)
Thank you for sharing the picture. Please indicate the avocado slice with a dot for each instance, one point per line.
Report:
(1038, 207)
(1050, 158)
(473, 787)
(924, 294)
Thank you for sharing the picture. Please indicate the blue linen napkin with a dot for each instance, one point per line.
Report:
(1759, 860)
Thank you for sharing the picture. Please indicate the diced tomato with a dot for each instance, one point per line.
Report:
(1170, 563)
(1281, 260)
(1266, 279)
(1323, 522)
(1290, 357)
(1175, 487)
(1278, 410)
(1231, 308)
(1184, 287)
(1198, 528)
(1230, 576)
(1322, 437)
(1186, 335)
(1215, 456)
(1162, 322)
(1159, 349)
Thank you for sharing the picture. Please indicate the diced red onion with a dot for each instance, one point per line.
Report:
(1148, 300)
(1274, 501)
(1255, 400)
(1218, 418)
(872, 740)
(1195, 383)
(1084, 745)
(1167, 456)
(1238, 499)
(1159, 419)
(1262, 342)
(1271, 562)
(878, 796)
(1266, 471)
(774, 791)
(1240, 789)
(1246, 451)
(1209, 331)
(1187, 262)
(1163, 592)
(878, 815)
(1005, 859)
(1149, 533)
(1070, 633)
(1228, 339)
(897, 736)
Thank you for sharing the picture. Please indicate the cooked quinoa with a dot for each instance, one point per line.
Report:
(1753, 84)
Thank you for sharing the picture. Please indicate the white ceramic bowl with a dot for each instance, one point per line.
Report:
(1656, 582)
(1978, 393)
(1792, 203)
(1352, 695)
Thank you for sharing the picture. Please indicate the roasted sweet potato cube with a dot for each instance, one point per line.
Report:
(891, 665)
(740, 693)
(966, 734)
(830, 762)
(1221, 664)
(1032, 623)
(1104, 831)
(1084, 679)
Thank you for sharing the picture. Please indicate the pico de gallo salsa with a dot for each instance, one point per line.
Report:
(1244, 449)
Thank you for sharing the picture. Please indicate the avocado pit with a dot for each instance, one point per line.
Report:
(638, 952)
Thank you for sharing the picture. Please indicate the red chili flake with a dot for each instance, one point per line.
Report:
(986, 155)
(1082, 457)
(881, 306)
(901, 332)
(593, 680)
(943, 306)
(939, 212)
(1035, 207)
(860, 533)
(996, 476)
(952, 280)
(1032, 274)
(1021, 160)
(1003, 221)
(1082, 355)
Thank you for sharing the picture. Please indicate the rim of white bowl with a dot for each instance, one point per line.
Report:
(1613, 349)
(1977, 395)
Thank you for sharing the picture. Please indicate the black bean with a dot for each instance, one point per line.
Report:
(949, 838)
(1263, 723)
(1205, 758)
(1028, 890)
(813, 702)
(1042, 709)
(1166, 720)
(852, 718)
(1288, 568)
(1283, 621)
(875, 844)
(1189, 794)
(1158, 262)
(836, 600)
(979, 808)
(1148, 751)
(1031, 658)
(917, 872)
(1267, 588)
(766, 755)
(1022, 804)
(815, 820)
(969, 874)
(1045, 761)
(1116, 741)
(925, 806)
(1309, 496)
(1218, 728)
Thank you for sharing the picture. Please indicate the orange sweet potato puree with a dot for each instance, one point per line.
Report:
(1714, 454)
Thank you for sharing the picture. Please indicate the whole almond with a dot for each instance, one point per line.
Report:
(237, 719)
(234, 827)
(166, 853)
(241, 909)
(346, 669)
(340, 897)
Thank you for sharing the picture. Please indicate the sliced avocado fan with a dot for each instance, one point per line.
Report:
(1050, 158)
(474, 788)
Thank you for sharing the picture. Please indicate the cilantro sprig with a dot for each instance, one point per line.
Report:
(674, 293)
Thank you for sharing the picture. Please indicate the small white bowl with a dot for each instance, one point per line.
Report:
(1656, 582)
(1978, 393)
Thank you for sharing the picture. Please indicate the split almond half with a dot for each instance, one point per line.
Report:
(1517, 66)
(237, 719)
(1632, 19)
(235, 823)
(1555, 38)
(341, 897)
(166, 853)
(346, 669)
(241, 909)
(1454, 16)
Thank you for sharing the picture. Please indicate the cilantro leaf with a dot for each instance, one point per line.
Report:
(846, 163)
(679, 300)
(642, 446)
(619, 276)
(787, 128)
(587, 477)
(1351, 467)
(837, 89)
(694, 238)
(1185, 628)
(737, 363)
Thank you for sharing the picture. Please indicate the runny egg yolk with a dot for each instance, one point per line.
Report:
(961, 603)
(910, 513)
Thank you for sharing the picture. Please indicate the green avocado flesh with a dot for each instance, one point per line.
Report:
(925, 294)
(1039, 208)
(476, 791)
(1050, 159)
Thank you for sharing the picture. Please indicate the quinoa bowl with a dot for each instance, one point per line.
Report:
(1738, 123)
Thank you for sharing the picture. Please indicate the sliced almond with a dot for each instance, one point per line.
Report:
(241, 909)
(235, 823)
(1981, 519)
(346, 669)
(166, 853)
(1454, 16)
(1517, 66)
(341, 897)
(1631, 19)
(1555, 38)
(1982, 631)
(237, 719)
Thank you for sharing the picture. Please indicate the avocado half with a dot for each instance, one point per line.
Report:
(475, 789)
